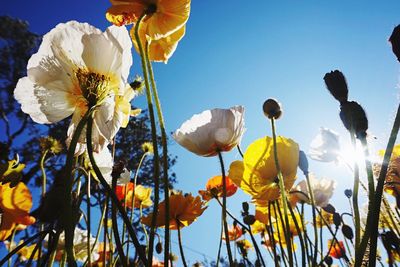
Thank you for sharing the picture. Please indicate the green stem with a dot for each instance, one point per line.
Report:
(110, 193)
(355, 197)
(311, 192)
(283, 193)
(165, 154)
(180, 244)
(89, 251)
(379, 187)
(153, 137)
(228, 246)
(67, 216)
(220, 241)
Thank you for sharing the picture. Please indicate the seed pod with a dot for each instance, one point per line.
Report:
(337, 85)
(347, 231)
(394, 39)
(272, 109)
(354, 118)
(328, 260)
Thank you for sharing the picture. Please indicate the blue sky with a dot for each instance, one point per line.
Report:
(243, 52)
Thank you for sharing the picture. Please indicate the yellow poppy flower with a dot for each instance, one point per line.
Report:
(163, 17)
(323, 219)
(15, 204)
(392, 180)
(292, 225)
(183, 210)
(142, 195)
(160, 50)
(258, 227)
(257, 174)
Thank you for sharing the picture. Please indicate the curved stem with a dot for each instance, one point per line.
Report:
(89, 251)
(153, 137)
(228, 246)
(283, 193)
(109, 191)
(355, 196)
(220, 241)
(180, 244)
(164, 153)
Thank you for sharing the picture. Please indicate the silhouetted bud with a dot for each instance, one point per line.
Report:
(353, 117)
(337, 219)
(394, 39)
(249, 219)
(329, 208)
(348, 193)
(245, 206)
(118, 168)
(137, 85)
(337, 86)
(159, 248)
(257, 263)
(328, 260)
(272, 109)
(303, 162)
(347, 231)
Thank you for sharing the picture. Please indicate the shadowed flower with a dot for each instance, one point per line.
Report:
(11, 171)
(234, 232)
(162, 49)
(25, 252)
(244, 246)
(325, 146)
(392, 180)
(336, 249)
(257, 174)
(322, 191)
(183, 210)
(258, 227)
(50, 144)
(211, 131)
(214, 188)
(78, 67)
(292, 225)
(142, 195)
(105, 163)
(324, 219)
(147, 147)
(15, 204)
(162, 17)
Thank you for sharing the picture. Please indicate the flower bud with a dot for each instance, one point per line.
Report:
(337, 86)
(245, 206)
(303, 162)
(249, 219)
(329, 208)
(337, 219)
(348, 193)
(328, 260)
(272, 109)
(137, 85)
(394, 39)
(354, 118)
(347, 231)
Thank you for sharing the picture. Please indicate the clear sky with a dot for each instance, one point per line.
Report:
(243, 52)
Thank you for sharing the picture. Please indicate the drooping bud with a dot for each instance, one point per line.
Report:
(303, 162)
(337, 85)
(347, 231)
(394, 39)
(354, 118)
(245, 206)
(337, 219)
(159, 248)
(329, 208)
(272, 109)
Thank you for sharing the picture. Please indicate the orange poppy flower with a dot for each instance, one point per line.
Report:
(142, 195)
(163, 16)
(214, 188)
(234, 232)
(183, 210)
(336, 249)
(160, 50)
(15, 204)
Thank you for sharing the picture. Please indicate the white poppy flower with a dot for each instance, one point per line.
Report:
(325, 146)
(105, 163)
(77, 67)
(80, 245)
(322, 190)
(211, 131)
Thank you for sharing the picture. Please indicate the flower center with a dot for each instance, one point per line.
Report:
(95, 87)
